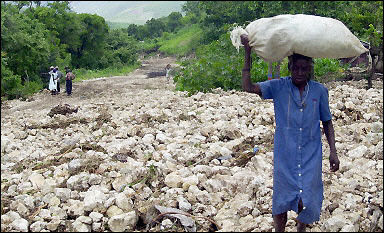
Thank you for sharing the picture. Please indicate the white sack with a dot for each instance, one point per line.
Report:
(280, 36)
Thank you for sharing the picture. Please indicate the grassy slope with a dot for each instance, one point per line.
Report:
(181, 43)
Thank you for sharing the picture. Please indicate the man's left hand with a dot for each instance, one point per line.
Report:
(334, 162)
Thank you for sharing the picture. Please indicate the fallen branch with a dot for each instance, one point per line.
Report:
(37, 211)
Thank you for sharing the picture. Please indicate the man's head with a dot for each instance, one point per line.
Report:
(301, 68)
(51, 68)
(57, 68)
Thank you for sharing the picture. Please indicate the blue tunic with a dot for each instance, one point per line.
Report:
(297, 151)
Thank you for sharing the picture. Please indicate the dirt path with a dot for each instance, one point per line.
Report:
(90, 90)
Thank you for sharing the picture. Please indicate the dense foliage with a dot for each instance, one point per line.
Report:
(35, 37)
(155, 28)
(219, 65)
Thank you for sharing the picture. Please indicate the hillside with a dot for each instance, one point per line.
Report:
(132, 12)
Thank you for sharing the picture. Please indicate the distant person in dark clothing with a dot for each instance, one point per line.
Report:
(68, 80)
(59, 75)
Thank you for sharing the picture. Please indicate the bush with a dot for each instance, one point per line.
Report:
(218, 66)
(12, 88)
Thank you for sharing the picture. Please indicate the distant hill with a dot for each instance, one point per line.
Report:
(127, 12)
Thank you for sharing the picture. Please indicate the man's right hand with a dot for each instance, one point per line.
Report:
(245, 41)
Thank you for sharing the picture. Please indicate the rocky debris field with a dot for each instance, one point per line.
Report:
(131, 154)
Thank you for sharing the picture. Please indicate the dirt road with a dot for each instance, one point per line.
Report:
(91, 90)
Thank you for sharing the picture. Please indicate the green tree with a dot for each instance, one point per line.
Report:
(92, 41)
(174, 21)
(132, 30)
(155, 27)
(25, 42)
(122, 47)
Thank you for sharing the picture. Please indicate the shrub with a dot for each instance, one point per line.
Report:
(218, 66)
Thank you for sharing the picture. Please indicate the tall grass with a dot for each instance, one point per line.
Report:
(83, 74)
(181, 43)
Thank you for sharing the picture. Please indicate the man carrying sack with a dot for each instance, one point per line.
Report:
(300, 104)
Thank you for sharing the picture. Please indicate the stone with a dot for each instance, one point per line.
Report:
(94, 200)
(123, 222)
(173, 180)
(20, 225)
(38, 226)
(80, 227)
(96, 217)
(63, 193)
(334, 224)
(37, 180)
(114, 210)
(123, 202)
(358, 152)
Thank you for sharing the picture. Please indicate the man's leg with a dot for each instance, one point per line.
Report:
(67, 86)
(280, 220)
(70, 87)
(301, 227)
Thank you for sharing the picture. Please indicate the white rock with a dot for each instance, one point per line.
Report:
(80, 227)
(63, 193)
(84, 219)
(37, 180)
(173, 180)
(12, 216)
(358, 152)
(75, 164)
(20, 225)
(97, 226)
(349, 228)
(78, 182)
(53, 224)
(58, 212)
(123, 222)
(123, 202)
(96, 217)
(114, 210)
(54, 201)
(184, 205)
(166, 224)
(377, 127)
(148, 139)
(188, 181)
(38, 226)
(334, 224)
(76, 207)
(94, 200)
(45, 214)
(161, 137)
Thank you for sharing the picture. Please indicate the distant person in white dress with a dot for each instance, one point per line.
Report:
(52, 81)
